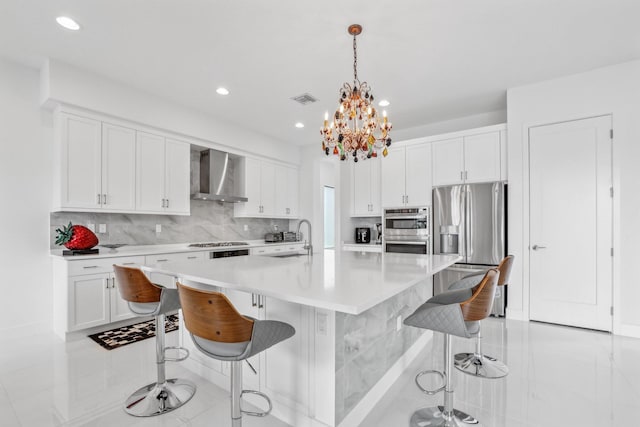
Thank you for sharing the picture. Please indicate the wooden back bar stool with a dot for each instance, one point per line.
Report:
(453, 313)
(477, 363)
(220, 332)
(148, 299)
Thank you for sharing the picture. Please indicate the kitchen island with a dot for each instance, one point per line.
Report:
(347, 308)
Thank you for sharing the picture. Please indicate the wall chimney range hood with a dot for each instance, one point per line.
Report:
(216, 180)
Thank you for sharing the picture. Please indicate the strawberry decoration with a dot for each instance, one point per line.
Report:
(76, 237)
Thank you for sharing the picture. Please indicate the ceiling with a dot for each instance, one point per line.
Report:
(434, 60)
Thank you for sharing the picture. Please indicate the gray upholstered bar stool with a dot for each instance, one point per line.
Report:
(477, 363)
(148, 299)
(220, 332)
(453, 313)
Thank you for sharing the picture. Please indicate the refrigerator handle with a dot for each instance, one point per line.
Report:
(467, 222)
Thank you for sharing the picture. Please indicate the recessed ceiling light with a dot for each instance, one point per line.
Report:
(383, 103)
(299, 125)
(68, 23)
(222, 91)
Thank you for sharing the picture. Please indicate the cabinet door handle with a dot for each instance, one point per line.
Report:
(260, 301)
(99, 198)
(461, 175)
(106, 281)
(104, 199)
(253, 300)
(113, 283)
(162, 260)
(90, 266)
(406, 199)
(167, 202)
(128, 263)
(466, 175)
(192, 257)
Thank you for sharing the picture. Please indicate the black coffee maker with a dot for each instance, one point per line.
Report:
(363, 235)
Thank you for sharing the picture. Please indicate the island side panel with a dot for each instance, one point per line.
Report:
(368, 344)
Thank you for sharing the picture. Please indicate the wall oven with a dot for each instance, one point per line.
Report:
(407, 230)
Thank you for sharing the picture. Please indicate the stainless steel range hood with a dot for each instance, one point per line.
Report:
(216, 179)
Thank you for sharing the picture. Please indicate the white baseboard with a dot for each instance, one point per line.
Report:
(368, 402)
(632, 331)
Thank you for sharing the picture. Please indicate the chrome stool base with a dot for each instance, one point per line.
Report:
(480, 365)
(434, 417)
(156, 399)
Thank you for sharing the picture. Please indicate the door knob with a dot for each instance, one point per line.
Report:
(536, 247)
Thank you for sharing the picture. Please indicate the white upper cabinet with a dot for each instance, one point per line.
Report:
(448, 161)
(97, 165)
(406, 176)
(103, 166)
(162, 175)
(118, 167)
(177, 177)
(80, 151)
(366, 188)
(477, 157)
(272, 189)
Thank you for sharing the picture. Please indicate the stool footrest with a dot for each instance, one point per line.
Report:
(185, 351)
(434, 391)
(257, 414)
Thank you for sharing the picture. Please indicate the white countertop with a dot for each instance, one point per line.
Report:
(348, 282)
(134, 250)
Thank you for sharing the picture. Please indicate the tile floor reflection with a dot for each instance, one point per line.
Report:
(558, 377)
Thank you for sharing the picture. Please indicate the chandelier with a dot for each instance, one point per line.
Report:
(355, 130)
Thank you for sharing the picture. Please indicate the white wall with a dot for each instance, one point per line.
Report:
(62, 83)
(25, 194)
(612, 90)
(453, 125)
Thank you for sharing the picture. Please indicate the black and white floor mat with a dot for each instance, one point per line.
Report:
(119, 337)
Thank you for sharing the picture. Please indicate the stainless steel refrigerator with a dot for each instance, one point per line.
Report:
(470, 220)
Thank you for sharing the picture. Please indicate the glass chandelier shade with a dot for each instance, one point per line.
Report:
(355, 130)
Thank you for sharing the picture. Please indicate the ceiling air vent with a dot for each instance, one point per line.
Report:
(304, 99)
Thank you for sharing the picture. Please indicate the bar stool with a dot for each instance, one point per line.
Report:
(148, 299)
(220, 332)
(453, 313)
(476, 363)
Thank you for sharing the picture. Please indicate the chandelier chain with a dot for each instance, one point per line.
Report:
(355, 61)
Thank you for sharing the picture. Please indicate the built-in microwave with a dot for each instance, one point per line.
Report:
(407, 230)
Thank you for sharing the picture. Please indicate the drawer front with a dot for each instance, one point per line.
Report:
(105, 265)
(181, 256)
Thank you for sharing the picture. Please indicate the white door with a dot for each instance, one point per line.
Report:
(118, 167)
(482, 157)
(361, 173)
(392, 184)
(177, 178)
(418, 175)
(268, 188)
(281, 196)
(81, 162)
(251, 180)
(374, 182)
(570, 223)
(89, 301)
(448, 158)
(292, 192)
(119, 307)
(150, 165)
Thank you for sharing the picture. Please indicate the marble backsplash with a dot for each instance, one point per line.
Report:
(209, 221)
(367, 345)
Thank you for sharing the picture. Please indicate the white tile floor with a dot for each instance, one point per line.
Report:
(559, 377)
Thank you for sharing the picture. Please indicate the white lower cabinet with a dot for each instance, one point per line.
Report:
(86, 291)
(278, 249)
(87, 294)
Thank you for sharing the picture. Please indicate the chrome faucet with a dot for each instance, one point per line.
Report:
(308, 246)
